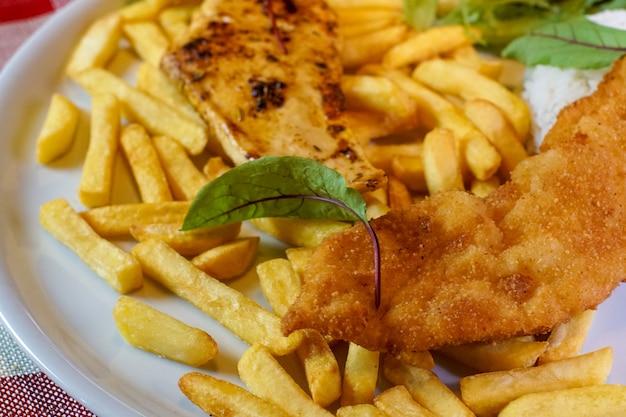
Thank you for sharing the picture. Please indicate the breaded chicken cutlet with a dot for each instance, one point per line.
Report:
(458, 269)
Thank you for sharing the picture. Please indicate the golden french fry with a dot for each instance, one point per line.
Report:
(96, 179)
(97, 45)
(360, 375)
(155, 116)
(360, 410)
(119, 269)
(596, 400)
(298, 232)
(490, 120)
(477, 153)
(482, 188)
(153, 81)
(257, 366)
(187, 243)
(145, 165)
(147, 40)
(320, 367)
(423, 359)
(214, 167)
(374, 93)
(487, 393)
(501, 355)
(229, 260)
(279, 283)
(449, 77)
(430, 43)
(399, 193)
(236, 312)
(184, 178)
(397, 401)
(442, 170)
(57, 133)
(410, 171)
(116, 220)
(381, 154)
(149, 329)
(139, 11)
(370, 47)
(351, 16)
(368, 26)
(567, 339)
(425, 388)
(469, 56)
(299, 258)
(175, 20)
(221, 398)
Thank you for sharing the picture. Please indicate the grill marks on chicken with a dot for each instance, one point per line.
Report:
(259, 100)
(459, 269)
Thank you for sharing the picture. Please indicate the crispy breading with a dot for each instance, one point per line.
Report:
(457, 268)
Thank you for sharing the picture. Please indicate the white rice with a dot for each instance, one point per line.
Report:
(548, 89)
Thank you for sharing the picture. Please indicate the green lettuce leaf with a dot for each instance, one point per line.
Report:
(273, 186)
(576, 43)
(420, 13)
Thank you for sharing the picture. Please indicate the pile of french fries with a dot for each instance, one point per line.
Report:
(430, 110)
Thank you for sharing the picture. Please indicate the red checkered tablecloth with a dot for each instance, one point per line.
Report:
(25, 391)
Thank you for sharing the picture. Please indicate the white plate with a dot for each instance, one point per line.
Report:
(58, 310)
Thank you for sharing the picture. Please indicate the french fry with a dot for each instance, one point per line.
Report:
(469, 56)
(374, 93)
(187, 243)
(501, 355)
(236, 312)
(221, 398)
(487, 393)
(350, 16)
(145, 165)
(155, 116)
(279, 283)
(57, 133)
(421, 359)
(298, 232)
(399, 193)
(482, 188)
(370, 47)
(410, 171)
(425, 388)
(229, 260)
(360, 410)
(139, 11)
(490, 120)
(97, 45)
(299, 258)
(115, 221)
(115, 266)
(257, 366)
(428, 44)
(96, 178)
(360, 375)
(382, 154)
(442, 170)
(147, 40)
(153, 81)
(175, 20)
(149, 329)
(184, 178)
(567, 339)
(478, 155)
(214, 167)
(281, 286)
(368, 26)
(596, 400)
(449, 77)
(397, 401)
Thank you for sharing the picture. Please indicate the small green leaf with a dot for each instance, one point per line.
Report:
(420, 13)
(275, 186)
(577, 43)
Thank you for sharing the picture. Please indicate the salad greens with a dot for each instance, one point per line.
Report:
(524, 29)
(281, 186)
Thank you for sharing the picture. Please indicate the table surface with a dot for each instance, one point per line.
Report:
(24, 389)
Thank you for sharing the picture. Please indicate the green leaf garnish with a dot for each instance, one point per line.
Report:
(281, 186)
(576, 43)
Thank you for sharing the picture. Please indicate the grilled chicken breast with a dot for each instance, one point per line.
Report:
(271, 89)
